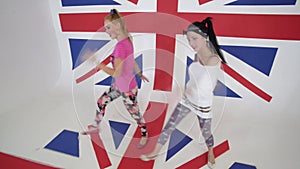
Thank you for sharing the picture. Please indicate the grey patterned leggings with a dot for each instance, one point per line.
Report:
(178, 114)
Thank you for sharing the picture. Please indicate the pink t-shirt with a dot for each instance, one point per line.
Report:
(124, 50)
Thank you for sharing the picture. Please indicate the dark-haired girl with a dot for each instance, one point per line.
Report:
(198, 95)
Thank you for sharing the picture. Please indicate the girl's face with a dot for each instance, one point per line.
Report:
(196, 41)
(111, 29)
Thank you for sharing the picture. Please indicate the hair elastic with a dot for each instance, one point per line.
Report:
(112, 11)
(196, 29)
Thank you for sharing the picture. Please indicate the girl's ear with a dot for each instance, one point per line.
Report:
(118, 25)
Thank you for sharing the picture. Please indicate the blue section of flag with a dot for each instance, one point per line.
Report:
(118, 131)
(87, 2)
(106, 82)
(139, 61)
(66, 142)
(222, 90)
(260, 58)
(187, 76)
(79, 46)
(178, 140)
(109, 80)
(263, 2)
(237, 165)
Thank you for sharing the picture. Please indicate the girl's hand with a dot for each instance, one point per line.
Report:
(144, 78)
(89, 56)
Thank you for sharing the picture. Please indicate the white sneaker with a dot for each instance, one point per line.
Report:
(146, 158)
(211, 165)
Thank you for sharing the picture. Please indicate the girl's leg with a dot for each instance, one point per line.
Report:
(130, 102)
(205, 125)
(178, 114)
(211, 157)
(102, 102)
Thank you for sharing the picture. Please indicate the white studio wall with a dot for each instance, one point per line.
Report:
(31, 64)
(49, 91)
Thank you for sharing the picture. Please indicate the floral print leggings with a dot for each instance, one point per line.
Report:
(130, 102)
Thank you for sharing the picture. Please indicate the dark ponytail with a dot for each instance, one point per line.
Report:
(212, 36)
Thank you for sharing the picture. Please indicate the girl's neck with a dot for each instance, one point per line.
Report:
(121, 36)
(203, 55)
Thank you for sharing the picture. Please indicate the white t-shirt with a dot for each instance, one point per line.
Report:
(200, 87)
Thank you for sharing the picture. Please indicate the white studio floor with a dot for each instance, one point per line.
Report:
(253, 141)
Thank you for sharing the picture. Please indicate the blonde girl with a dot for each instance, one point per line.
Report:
(122, 71)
